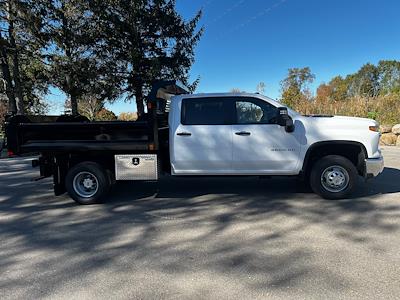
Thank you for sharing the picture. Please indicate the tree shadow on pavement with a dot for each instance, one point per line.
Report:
(245, 233)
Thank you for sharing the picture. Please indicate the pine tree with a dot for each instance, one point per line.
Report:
(66, 32)
(145, 40)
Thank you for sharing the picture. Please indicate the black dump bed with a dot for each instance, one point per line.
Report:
(67, 134)
(29, 136)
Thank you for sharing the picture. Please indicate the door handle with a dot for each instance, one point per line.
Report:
(243, 133)
(184, 134)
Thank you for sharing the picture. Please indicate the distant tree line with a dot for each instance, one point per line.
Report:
(375, 89)
(370, 81)
(93, 50)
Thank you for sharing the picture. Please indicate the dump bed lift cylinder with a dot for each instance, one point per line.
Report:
(169, 87)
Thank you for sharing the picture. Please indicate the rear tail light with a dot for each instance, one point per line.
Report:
(10, 153)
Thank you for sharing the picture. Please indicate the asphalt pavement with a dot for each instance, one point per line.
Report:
(235, 238)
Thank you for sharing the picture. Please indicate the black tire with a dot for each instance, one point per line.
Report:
(333, 177)
(98, 179)
(111, 179)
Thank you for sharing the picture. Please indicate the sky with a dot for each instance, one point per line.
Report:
(250, 41)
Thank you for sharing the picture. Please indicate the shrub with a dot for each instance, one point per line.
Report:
(105, 115)
(128, 116)
(372, 115)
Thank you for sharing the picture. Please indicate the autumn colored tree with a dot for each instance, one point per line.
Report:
(128, 116)
(105, 115)
(335, 90)
(295, 87)
(368, 82)
(324, 93)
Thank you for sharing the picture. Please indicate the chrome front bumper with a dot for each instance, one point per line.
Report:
(374, 166)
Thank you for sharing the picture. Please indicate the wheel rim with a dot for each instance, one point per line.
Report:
(85, 184)
(335, 179)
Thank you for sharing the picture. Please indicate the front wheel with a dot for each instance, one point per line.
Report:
(333, 177)
(87, 183)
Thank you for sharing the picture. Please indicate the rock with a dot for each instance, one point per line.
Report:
(388, 139)
(385, 128)
(396, 129)
(398, 141)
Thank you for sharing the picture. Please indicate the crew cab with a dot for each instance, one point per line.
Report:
(182, 134)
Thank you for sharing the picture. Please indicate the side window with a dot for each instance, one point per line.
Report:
(255, 111)
(203, 111)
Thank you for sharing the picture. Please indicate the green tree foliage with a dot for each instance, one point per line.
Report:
(22, 71)
(369, 82)
(365, 82)
(295, 85)
(69, 37)
(389, 76)
(10, 55)
(3, 112)
(96, 50)
(146, 40)
(68, 34)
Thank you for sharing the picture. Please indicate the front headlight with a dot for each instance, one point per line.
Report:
(374, 128)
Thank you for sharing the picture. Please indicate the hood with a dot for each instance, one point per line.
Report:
(340, 121)
(369, 122)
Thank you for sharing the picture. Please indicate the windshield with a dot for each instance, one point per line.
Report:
(291, 112)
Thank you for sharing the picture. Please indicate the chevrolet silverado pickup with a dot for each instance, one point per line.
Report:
(182, 134)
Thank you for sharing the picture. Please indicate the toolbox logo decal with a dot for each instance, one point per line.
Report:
(135, 161)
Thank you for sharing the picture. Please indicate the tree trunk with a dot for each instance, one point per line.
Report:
(74, 105)
(15, 58)
(5, 69)
(139, 99)
(70, 83)
(72, 94)
(17, 81)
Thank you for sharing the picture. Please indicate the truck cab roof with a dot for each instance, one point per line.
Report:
(228, 95)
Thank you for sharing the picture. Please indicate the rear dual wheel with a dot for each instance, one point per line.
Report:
(88, 183)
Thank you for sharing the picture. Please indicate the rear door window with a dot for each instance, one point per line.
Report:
(204, 111)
